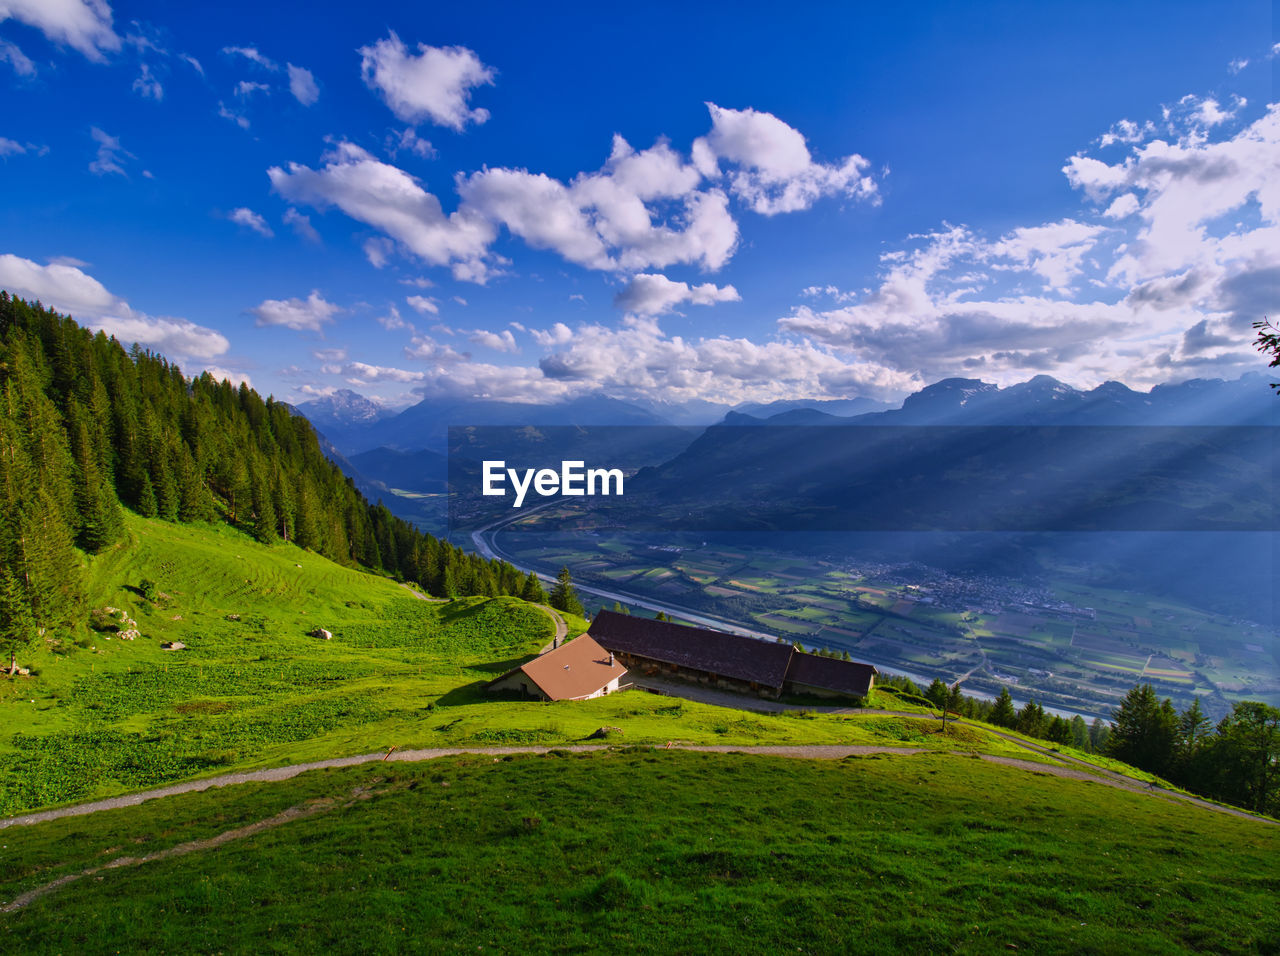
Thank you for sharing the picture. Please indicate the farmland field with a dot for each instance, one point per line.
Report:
(1073, 646)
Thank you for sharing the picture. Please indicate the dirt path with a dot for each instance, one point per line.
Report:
(562, 629)
(811, 752)
(301, 811)
(422, 597)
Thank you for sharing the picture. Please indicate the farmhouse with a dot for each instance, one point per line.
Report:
(728, 661)
(577, 670)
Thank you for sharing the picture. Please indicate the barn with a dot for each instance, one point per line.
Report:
(576, 670)
(727, 661)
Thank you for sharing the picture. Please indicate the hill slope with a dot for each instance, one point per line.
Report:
(102, 715)
(651, 852)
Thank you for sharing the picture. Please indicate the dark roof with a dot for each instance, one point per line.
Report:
(844, 677)
(726, 655)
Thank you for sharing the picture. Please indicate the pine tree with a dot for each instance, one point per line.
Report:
(1145, 731)
(1058, 730)
(1030, 720)
(563, 597)
(532, 591)
(100, 522)
(1003, 714)
(17, 629)
(937, 693)
(264, 512)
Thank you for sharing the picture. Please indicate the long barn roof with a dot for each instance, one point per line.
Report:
(727, 655)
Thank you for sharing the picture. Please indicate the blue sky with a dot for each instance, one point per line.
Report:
(734, 202)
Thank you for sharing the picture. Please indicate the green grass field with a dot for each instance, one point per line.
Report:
(102, 716)
(653, 852)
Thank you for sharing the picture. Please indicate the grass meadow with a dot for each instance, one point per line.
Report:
(654, 852)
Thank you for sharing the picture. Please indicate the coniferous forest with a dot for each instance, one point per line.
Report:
(89, 427)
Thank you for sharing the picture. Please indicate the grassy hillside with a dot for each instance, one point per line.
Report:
(101, 715)
(652, 851)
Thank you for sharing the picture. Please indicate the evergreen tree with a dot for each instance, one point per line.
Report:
(563, 597)
(1031, 720)
(937, 693)
(1145, 731)
(532, 591)
(953, 703)
(98, 511)
(17, 629)
(1003, 714)
(264, 512)
(1058, 730)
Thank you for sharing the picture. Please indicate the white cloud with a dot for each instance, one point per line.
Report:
(9, 147)
(827, 291)
(192, 62)
(1127, 131)
(1208, 111)
(1238, 64)
(360, 373)
(1054, 251)
(435, 84)
(427, 349)
(390, 200)
(83, 25)
(330, 355)
(251, 54)
(249, 218)
(776, 172)
(502, 341)
(392, 321)
(246, 88)
(302, 84)
(1185, 256)
(233, 116)
(419, 282)
(408, 140)
(378, 251)
(423, 304)
(110, 154)
(639, 359)
(147, 86)
(644, 209)
(538, 209)
(653, 294)
(606, 219)
(228, 375)
(9, 53)
(61, 286)
(558, 334)
(309, 315)
(301, 224)
(459, 299)
(1123, 206)
(69, 289)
